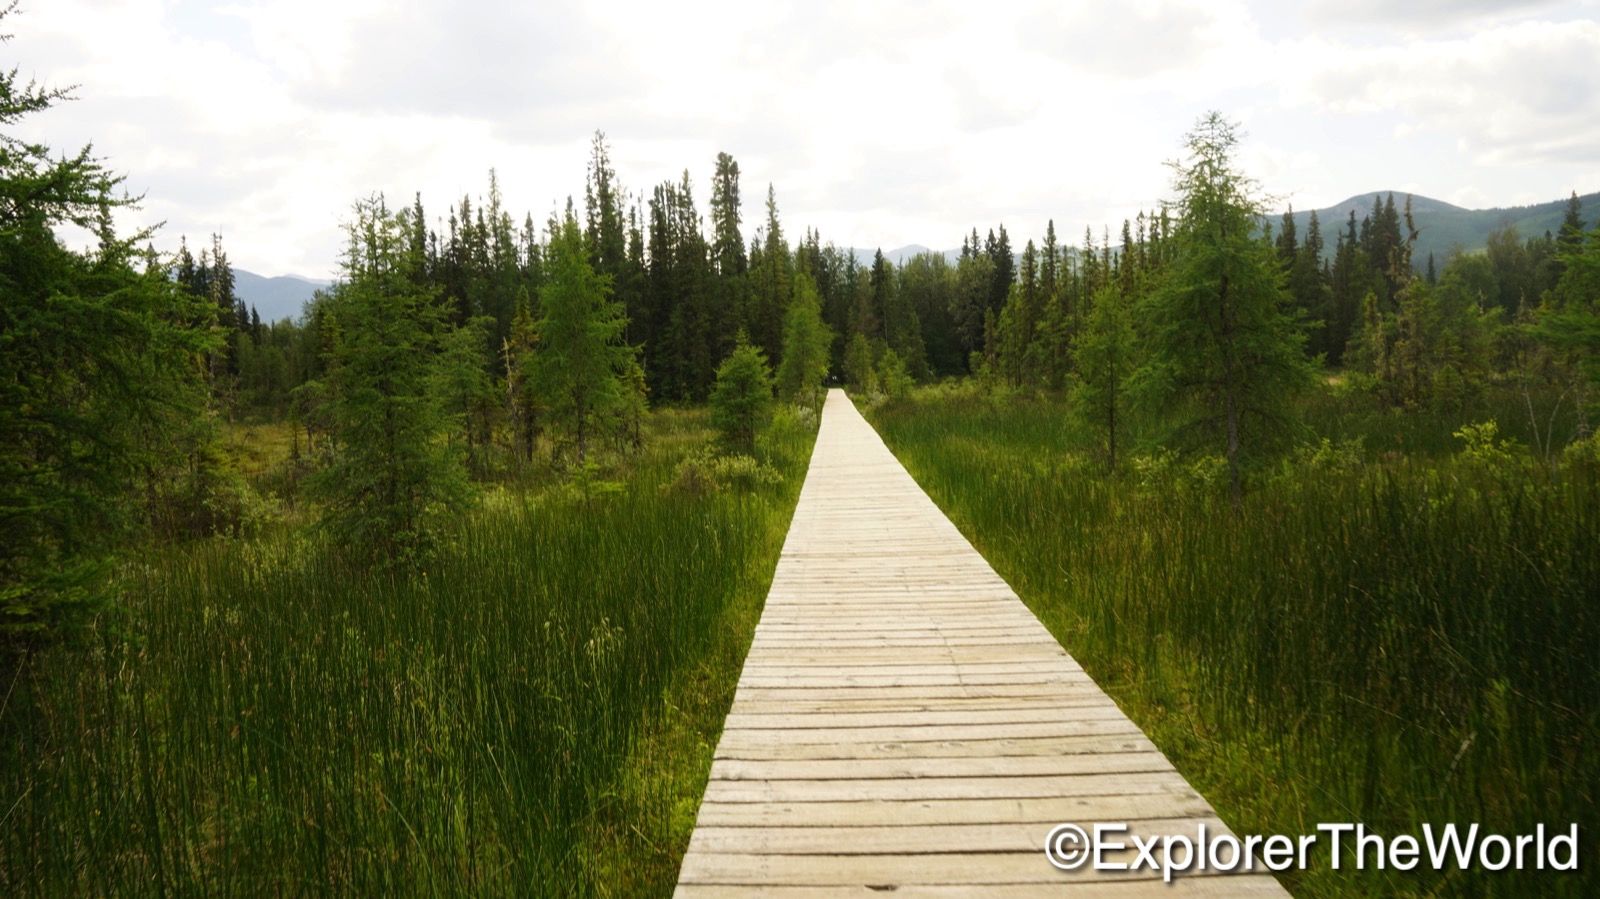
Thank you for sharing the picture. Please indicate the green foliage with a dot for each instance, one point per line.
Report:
(1396, 641)
(1105, 353)
(1569, 323)
(532, 715)
(771, 283)
(102, 382)
(471, 404)
(581, 359)
(1221, 349)
(708, 472)
(390, 478)
(975, 273)
(860, 370)
(741, 400)
(522, 401)
(1486, 450)
(894, 380)
(806, 343)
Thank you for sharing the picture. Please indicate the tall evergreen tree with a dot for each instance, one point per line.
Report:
(1005, 268)
(1104, 352)
(604, 226)
(391, 478)
(928, 285)
(1570, 324)
(522, 400)
(1050, 263)
(1351, 283)
(772, 283)
(1220, 344)
(1313, 295)
(581, 357)
(807, 342)
(970, 303)
(728, 257)
(466, 392)
(100, 381)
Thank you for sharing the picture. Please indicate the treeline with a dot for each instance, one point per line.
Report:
(689, 285)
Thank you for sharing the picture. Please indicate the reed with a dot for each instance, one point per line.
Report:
(1390, 638)
(268, 721)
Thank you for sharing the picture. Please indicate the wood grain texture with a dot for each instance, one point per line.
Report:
(904, 724)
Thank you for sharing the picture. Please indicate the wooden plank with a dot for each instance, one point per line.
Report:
(975, 868)
(1067, 727)
(1240, 886)
(1096, 710)
(996, 836)
(799, 704)
(904, 723)
(911, 694)
(917, 789)
(975, 766)
(1129, 739)
(1048, 810)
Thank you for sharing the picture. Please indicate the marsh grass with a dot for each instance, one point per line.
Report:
(1386, 638)
(530, 716)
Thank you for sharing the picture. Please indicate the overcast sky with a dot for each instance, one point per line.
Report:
(881, 124)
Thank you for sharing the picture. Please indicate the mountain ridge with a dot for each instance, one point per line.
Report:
(1443, 228)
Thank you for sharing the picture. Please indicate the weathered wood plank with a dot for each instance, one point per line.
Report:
(880, 839)
(971, 766)
(975, 868)
(1051, 810)
(1118, 783)
(1240, 886)
(1128, 740)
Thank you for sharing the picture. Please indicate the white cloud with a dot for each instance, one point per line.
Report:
(1433, 14)
(882, 123)
(1525, 95)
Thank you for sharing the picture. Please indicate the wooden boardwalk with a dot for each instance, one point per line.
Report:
(905, 725)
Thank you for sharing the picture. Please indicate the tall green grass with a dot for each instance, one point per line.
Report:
(1409, 639)
(275, 723)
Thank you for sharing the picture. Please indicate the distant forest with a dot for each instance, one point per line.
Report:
(1000, 311)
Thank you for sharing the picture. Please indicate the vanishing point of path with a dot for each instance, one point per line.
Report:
(905, 726)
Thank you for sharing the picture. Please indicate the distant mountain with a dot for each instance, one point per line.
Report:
(275, 298)
(901, 255)
(1443, 228)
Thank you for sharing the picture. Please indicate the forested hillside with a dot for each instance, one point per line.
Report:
(1444, 230)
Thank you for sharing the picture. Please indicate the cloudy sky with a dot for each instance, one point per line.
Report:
(881, 124)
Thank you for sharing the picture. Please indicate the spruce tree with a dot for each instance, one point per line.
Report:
(581, 357)
(1223, 355)
(1104, 351)
(772, 283)
(101, 384)
(391, 479)
(741, 400)
(728, 258)
(522, 400)
(859, 364)
(806, 344)
(466, 391)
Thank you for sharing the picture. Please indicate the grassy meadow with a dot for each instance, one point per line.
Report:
(1397, 627)
(533, 715)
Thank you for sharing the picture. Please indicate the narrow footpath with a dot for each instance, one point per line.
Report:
(905, 726)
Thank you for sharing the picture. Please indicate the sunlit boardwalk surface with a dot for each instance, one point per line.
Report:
(904, 725)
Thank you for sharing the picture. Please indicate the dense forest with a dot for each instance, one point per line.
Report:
(472, 389)
(1422, 330)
